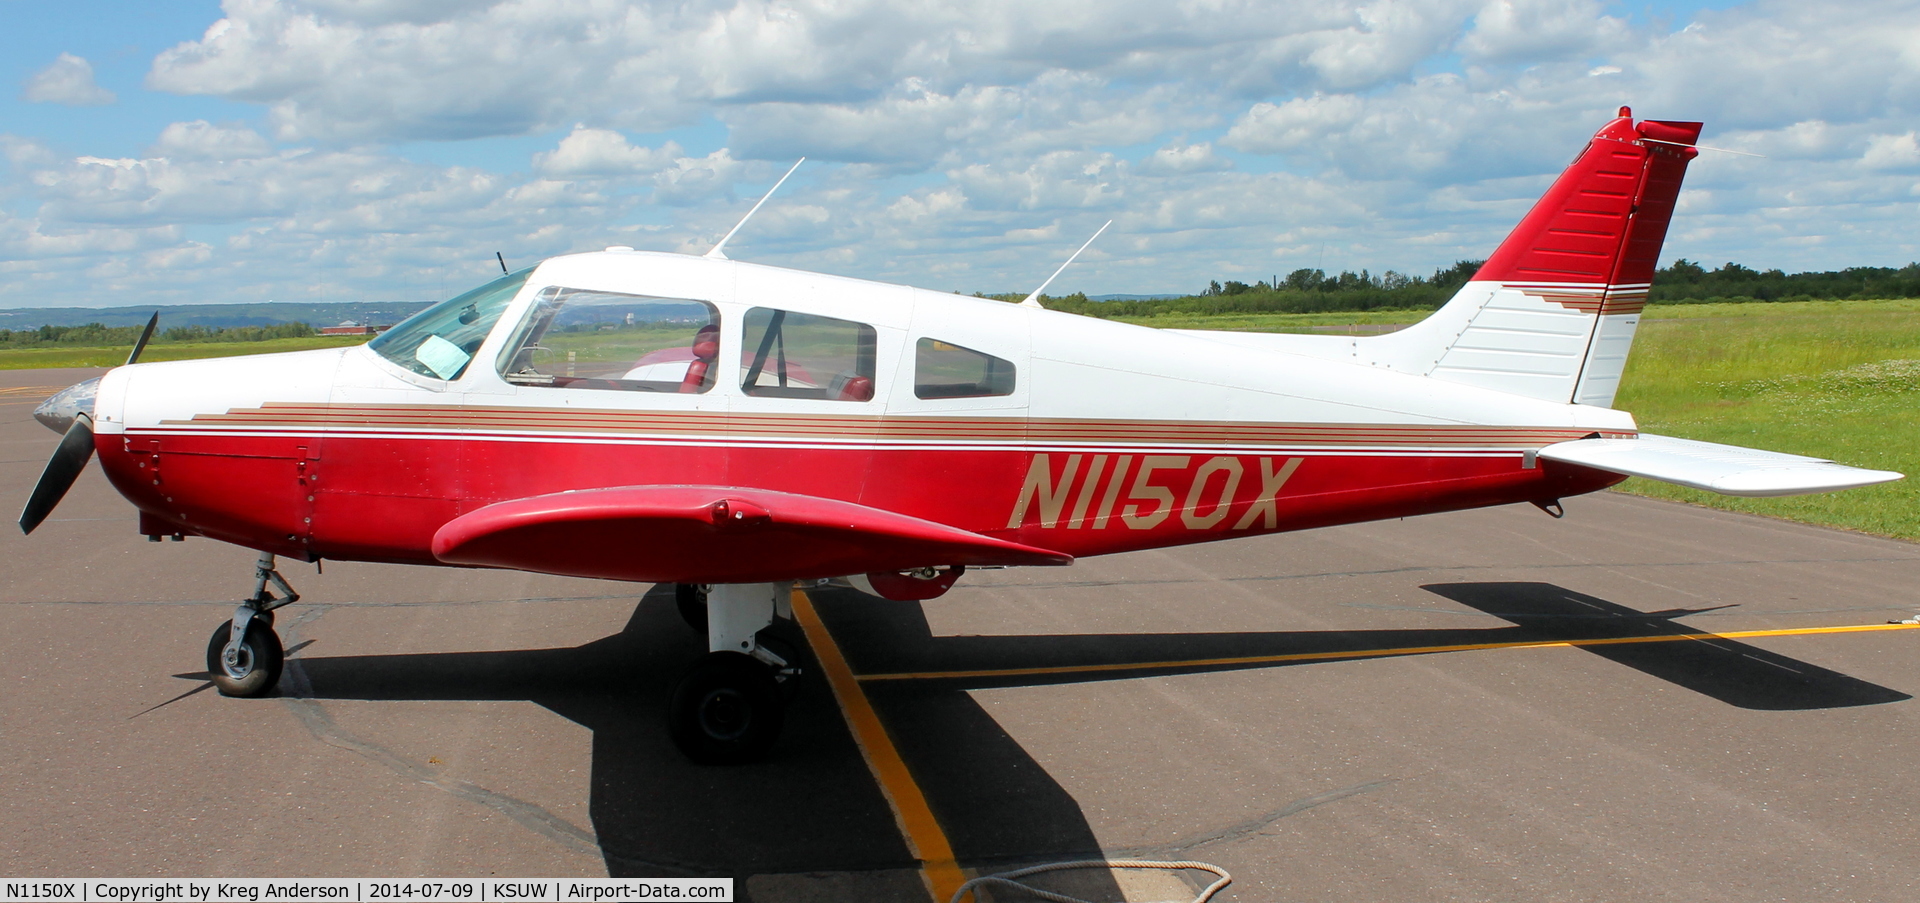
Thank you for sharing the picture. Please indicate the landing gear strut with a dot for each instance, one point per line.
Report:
(729, 707)
(244, 655)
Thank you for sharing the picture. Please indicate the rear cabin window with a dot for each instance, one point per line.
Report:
(945, 370)
(784, 354)
(580, 339)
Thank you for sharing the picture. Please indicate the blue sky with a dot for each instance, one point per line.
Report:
(384, 149)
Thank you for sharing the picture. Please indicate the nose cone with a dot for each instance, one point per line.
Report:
(57, 413)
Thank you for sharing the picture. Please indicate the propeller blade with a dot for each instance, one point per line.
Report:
(144, 336)
(62, 469)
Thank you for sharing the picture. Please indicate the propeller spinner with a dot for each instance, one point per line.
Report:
(70, 412)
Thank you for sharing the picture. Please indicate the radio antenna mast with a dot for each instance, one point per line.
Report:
(715, 252)
(1033, 300)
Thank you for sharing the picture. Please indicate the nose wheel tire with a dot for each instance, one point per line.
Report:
(255, 668)
(726, 710)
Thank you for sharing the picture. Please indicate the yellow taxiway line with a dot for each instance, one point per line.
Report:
(1369, 653)
(34, 395)
(925, 839)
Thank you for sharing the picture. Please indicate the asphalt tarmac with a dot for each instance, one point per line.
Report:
(1634, 703)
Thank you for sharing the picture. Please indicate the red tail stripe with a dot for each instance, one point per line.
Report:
(1604, 220)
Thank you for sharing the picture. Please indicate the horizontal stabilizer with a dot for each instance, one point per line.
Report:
(1725, 469)
(711, 534)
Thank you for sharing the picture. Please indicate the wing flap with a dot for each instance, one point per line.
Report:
(1725, 469)
(711, 534)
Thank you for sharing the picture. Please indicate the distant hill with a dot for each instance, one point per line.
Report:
(214, 316)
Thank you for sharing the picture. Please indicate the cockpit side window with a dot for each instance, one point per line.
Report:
(441, 340)
(580, 339)
(945, 370)
(785, 354)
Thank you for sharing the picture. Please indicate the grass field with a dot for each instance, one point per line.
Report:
(80, 356)
(1834, 379)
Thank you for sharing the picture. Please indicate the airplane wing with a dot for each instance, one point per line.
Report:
(711, 534)
(1725, 469)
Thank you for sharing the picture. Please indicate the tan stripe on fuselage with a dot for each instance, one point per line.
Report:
(905, 429)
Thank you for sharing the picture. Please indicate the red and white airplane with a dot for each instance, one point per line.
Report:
(734, 428)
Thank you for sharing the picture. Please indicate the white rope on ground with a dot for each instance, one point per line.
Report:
(1007, 879)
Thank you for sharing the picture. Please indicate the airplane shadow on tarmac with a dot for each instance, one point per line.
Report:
(1728, 670)
(814, 807)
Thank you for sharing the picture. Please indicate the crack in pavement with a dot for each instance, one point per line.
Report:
(297, 696)
(1252, 826)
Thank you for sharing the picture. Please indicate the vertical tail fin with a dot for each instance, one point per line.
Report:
(1552, 313)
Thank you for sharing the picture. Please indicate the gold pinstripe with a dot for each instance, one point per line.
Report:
(986, 430)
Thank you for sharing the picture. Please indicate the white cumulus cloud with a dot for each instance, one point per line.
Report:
(356, 71)
(1532, 30)
(1181, 158)
(201, 140)
(603, 153)
(1892, 152)
(965, 144)
(69, 81)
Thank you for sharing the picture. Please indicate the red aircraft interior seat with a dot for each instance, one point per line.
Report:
(706, 347)
(856, 388)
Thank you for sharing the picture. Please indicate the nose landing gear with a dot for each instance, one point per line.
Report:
(244, 655)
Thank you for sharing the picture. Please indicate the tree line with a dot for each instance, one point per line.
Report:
(1314, 291)
(97, 335)
(1686, 282)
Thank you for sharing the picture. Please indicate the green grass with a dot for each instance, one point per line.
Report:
(607, 353)
(1833, 379)
(81, 356)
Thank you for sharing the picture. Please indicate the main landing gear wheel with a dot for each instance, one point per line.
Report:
(691, 599)
(254, 667)
(726, 710)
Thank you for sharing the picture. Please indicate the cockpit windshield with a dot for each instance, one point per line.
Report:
(441, 340)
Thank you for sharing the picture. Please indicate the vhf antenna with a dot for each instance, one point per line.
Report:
(503, 263)
(1033, 300)
(715, 252)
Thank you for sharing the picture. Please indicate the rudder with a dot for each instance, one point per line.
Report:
(1553, 311)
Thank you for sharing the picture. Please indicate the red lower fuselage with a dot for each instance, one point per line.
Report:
(383, 497)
